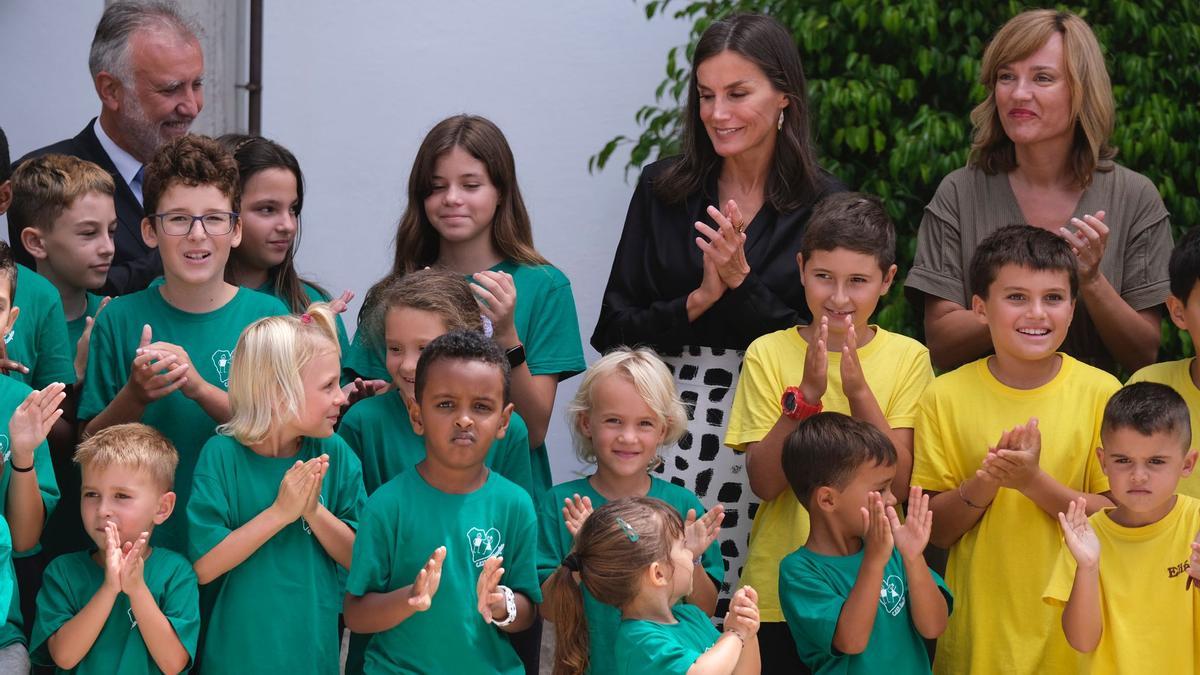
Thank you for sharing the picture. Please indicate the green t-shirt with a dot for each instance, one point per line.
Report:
(814, 587)
(288, 593)
(314, 296)
(209, 339)
(402, 524)
(546, 324)
(656, 648)
(75, 327)
(555, 542)
(39, 337)
(380, 432)
(12, 394)
(72, 580)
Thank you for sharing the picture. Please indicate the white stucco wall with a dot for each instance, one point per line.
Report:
(352, 88)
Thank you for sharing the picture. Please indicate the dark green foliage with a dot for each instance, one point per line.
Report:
(892, 85)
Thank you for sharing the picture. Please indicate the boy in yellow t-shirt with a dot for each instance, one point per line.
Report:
(841, 363)
(1008, 443)
(1123, 578)
(1183, 306)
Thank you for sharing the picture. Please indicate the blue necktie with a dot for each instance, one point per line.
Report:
(136, 184)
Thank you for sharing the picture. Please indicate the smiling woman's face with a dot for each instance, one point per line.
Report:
(738, 104)
(1033, 97)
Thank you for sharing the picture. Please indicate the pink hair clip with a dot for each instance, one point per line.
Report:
(306, 318)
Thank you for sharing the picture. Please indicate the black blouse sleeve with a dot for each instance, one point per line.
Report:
(657, 264)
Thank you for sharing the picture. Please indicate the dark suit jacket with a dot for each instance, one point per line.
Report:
(135, 264)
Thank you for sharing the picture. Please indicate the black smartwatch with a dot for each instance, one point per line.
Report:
(516, 355)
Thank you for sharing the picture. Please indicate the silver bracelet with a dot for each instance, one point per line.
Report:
(510, 603)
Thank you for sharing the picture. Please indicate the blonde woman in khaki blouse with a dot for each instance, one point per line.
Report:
(1041, 156)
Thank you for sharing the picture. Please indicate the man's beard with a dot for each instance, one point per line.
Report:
(146, 136)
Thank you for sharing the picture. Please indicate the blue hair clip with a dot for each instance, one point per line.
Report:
(627, 529)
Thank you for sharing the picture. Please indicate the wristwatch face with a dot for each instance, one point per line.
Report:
(789, 401)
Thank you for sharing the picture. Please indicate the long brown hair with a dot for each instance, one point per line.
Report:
(612, 550)
(417, 243)
(794, 178)
(1092, 105)
(254, 154)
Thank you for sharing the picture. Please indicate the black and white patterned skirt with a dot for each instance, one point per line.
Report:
(706, 379)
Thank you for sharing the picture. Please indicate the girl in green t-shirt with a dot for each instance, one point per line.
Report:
(272, 194)
(465, 214)
(625, 411)
(275, 503)
(632, 554)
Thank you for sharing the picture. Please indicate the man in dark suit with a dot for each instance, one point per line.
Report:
(147, 67)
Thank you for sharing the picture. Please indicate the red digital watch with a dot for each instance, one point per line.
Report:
(794, 406)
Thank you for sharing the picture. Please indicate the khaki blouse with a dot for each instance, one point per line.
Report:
(969, 205)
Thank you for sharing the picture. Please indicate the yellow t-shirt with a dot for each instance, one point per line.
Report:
(1177, 375)
(998, 569)
(896, 368)
(1151, 613)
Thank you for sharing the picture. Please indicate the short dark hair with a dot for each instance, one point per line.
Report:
(462, 345)
(5, 164)
(190, 160)
(1148, 408)
(1184, 267)
(8, 270)
(854, 221)
(827, 448)
(1026, 246)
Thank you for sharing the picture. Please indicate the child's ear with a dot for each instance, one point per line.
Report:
(1100, 457)
(888, 278)
(800, 262)
(505, 418)
(1189, 462)
(166, 506)
(825, 498)
(236, 239)
(585, 424)
(148, 234)
(658, 574)
(414, 416)
(979, 306)
(1177, 310)
(5, 196)
(31, 239)
(12, 320)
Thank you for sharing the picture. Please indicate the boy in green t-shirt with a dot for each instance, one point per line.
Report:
(63, 208)
(839, 362)
(161, 356)
(1004, 444)
(1183, 306)
(858, 597)
(122, 607)
(445, 525)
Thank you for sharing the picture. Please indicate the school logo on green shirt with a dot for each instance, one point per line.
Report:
(485, 544)
(221, 360)
(4, 449)
(10, 335)
(132, 620)
(891, 594)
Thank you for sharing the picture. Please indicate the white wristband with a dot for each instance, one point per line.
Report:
(510, 603)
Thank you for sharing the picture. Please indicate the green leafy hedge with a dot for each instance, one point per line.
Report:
(892, 85)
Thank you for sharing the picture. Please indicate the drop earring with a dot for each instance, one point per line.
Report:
(779, 125)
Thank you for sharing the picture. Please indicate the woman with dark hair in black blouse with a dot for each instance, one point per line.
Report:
(707, 259)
